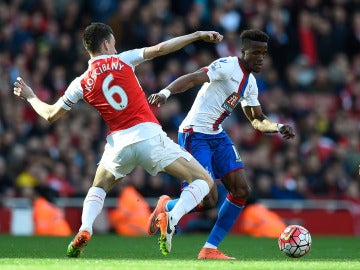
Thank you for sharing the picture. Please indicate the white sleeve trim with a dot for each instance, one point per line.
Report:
(66, 104)
(72, 94)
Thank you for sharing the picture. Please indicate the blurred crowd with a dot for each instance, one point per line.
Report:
(311, 79)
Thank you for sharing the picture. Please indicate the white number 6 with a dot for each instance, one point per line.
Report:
(113, 90)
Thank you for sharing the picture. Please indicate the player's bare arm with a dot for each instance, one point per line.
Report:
(260, 122)
(177, 43)
(181, 84)
(49, 112)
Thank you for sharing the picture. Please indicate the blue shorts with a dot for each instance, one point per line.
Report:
(216, 153)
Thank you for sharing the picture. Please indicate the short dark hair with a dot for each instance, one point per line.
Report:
(94, 35)
(252, 35)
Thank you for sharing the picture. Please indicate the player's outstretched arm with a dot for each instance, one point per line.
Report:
(260, 122)
(181, 84)
(49, 112)
(177, 43)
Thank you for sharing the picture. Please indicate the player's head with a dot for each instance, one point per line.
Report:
(253, 49)
(98, 38)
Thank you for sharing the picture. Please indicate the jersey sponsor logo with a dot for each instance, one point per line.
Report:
(231, 102)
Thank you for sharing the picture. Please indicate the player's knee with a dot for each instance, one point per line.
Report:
(207, 205)
(246, 192)
(210, 182)
(209, 202)
(206, 177)
(241, 193)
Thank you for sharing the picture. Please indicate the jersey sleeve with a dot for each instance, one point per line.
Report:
(72, 94)
(250, 97)
(133, 57)
(220, 69)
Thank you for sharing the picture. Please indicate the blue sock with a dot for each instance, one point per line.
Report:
(170, 204)
(228, 214)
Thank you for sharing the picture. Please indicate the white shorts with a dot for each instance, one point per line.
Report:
(153, 154)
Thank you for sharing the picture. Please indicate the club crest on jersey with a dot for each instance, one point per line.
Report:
(215, 66)
(231, 102)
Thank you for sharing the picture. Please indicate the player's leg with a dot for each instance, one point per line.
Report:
(166, 204)
(196, 176)
(92, 207)
(229, 211)
(209, 201)
(228, 166)
(94, 200)
(108, 173)
(200, 185)
(201, 151)
(162, 154)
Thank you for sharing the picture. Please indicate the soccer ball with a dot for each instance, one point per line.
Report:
(295, 241)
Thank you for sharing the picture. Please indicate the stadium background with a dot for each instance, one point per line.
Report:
(311, 79)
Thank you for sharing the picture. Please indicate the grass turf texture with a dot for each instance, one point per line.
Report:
(115, 252)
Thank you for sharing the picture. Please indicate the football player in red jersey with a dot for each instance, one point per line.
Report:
(135, 136)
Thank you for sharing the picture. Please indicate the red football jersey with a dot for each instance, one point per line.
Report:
(110, 86)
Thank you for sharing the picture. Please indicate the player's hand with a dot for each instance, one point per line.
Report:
(157, 99)
(287, 132)
(22, 90)
(211, 36)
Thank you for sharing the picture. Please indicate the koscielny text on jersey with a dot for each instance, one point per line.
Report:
(114, 65)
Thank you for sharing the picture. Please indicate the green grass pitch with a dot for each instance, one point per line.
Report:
(121, 253)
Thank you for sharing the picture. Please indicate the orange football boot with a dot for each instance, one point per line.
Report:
(78, 244)
(213, 254)
(160, 208)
